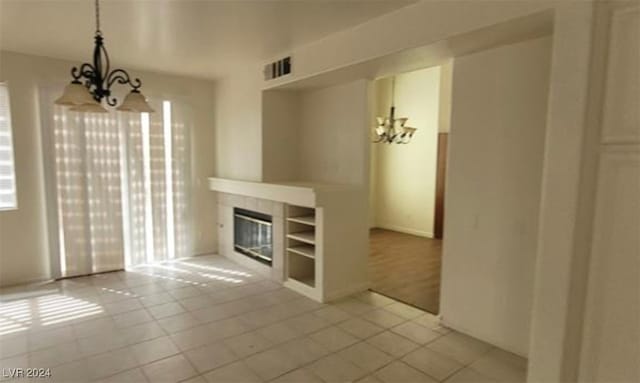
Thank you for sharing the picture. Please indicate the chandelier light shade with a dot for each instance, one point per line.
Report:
(75, 94)
(135, 102)
(92, 83)
(392, 130)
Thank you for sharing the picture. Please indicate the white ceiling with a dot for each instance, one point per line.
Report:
(190, 37)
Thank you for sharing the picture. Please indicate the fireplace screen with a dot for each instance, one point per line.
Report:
(253, 235)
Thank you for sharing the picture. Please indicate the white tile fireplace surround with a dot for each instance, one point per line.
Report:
(226, 204)
(320, 233)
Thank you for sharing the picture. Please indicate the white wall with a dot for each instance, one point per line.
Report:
(237, 121)
(404, 176)
(444, 98)
(494, 175)
(611, 337)
(24, 254)
(332, 131)
(280, 135)
(316, 135)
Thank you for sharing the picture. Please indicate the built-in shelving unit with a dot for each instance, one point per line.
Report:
(301, 251)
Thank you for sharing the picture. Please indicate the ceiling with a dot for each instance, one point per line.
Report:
(190, 37)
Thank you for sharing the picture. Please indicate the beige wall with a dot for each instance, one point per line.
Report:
(24, 254)
(333, 130)
(611, 336)
(317, 135)
(280, 135)
(403, 176)
(494, 180)
(444, 110)
(237, 121)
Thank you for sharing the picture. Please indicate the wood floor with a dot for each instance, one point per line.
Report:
(406, 267)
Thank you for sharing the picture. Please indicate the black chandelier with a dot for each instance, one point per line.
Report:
(92, 83)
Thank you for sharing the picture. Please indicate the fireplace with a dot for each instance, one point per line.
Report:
(253, 235)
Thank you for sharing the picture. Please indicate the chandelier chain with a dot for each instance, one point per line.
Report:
(98, 31)
(393, 89)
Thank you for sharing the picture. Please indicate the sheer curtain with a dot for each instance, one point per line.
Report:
(8, 197)
(119, 182)
(155, 151)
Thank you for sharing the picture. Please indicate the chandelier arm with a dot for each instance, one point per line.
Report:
(85, 70)
(122, 77)
(111, 100)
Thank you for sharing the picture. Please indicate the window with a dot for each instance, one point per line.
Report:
(8, 198)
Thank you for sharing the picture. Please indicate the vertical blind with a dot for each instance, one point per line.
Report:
(120, 181)
(8, 198)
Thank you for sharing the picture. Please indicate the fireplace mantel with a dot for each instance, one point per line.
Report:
(293, 192)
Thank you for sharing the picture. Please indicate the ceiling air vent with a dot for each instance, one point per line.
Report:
(277, 69)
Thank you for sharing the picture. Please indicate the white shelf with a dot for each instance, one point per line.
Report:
(307, 220)
(304, 288)
(304, 250)
(304, 236)
(308, 281)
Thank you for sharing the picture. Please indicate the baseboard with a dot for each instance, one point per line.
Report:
(29, 282)
(400, 229)
(474, 334)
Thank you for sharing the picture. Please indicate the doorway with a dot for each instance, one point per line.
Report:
(407, 192)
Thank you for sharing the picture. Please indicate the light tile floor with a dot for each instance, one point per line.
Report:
(207, 319)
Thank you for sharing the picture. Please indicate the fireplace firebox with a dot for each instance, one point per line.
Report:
(253, 235)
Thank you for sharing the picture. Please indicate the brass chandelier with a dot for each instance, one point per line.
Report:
(92, 83)
(392, 130)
